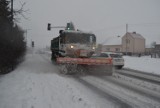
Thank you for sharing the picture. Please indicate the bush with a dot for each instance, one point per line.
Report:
(12, 44)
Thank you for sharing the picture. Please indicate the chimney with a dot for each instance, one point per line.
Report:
(134, 32)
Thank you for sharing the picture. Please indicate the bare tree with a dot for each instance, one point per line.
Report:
(11, 39)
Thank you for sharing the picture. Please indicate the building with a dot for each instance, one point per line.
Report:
(130, 43)
(148, 51)
(156, 51)
(133, 43)
(112, 48)
(112, 44)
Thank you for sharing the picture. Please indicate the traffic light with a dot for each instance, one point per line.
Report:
(49, 26)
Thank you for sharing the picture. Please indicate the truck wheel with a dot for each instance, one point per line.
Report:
(119, 67)
(68, 69)
(71, 68)
(52, 56)
(63, 69)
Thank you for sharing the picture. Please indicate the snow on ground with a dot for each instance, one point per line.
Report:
(37, 84)
(144, 63)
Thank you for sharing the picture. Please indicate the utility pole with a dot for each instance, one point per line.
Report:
(126, 28)
(126, 37)
(12, 10)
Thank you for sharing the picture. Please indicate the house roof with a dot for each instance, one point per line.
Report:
(135, 35)
(113, 41)
(158, 42)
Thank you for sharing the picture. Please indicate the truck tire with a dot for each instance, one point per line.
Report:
(119, 67)
(68, 69)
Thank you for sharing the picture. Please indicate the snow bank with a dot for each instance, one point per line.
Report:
(144, 63)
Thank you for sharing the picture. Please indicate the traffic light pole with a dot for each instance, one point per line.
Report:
(59, 27)
(49, 26)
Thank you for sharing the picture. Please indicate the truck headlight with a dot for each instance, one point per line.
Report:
(72, 46)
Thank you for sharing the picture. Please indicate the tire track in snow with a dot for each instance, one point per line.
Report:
(142, 76)
(145, 96)
(118, 100)
(139, 82)
(73, 99)
(118, 103)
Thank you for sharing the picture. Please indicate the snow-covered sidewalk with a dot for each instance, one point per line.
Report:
(37, 84)
(144, 63)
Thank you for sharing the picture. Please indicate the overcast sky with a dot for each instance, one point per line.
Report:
(105, 18)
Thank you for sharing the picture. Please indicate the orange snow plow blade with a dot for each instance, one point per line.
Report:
(94, 66)
(87, 61)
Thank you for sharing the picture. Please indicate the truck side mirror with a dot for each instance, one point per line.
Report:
(61, 31)
(49, 26)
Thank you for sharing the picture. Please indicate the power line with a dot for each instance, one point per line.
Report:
(110, 28)
(145, 24)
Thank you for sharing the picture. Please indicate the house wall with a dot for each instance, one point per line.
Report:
(139, 45)
(134, 45)
(127, 43)
(112, 48)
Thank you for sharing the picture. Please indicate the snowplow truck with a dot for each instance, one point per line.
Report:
(72, 51)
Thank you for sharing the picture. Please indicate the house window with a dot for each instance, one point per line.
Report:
(117, 49)
(127, 41)
(107, 49)
(126, 48)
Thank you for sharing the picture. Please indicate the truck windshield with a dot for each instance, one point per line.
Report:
(80, 38)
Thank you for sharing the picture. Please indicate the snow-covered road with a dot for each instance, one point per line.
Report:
(37, 83)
